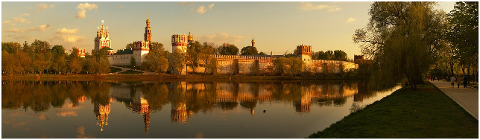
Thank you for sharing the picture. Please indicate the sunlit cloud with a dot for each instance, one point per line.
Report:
(81, 133)
(350, 20)
(83, 7)
(210, 6)
(201, 9)
(67, 31)
(21, 30)
(220, 38)
(26, 37)
(14, 20)
(69, 38)
(184, 3)
(307, 6)
(16, 124)
(43, 6)
(67, 113)
(26, 14)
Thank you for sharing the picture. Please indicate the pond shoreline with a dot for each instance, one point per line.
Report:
(169, 77)
(425, 113)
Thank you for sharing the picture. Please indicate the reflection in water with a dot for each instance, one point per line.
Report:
(185, 98)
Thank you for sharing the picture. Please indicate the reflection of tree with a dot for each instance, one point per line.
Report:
(98, 91)
(156, 94)
(228, 105)
(199, 99)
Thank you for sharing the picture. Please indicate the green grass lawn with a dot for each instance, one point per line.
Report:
(114, 69)
(426, 113)
(131, 72)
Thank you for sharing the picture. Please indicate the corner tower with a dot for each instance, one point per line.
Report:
(304, 52)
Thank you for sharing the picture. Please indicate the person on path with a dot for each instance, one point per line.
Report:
(458, 82)
(465, 82)
(452, 79)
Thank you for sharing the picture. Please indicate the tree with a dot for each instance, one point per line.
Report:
(206, 56)
(401, 37)
(463, 34)
(177, 61)
(11, 47)
(249, 50)
(75, 62)
(228, 49)
(262, 53)
(194, 51)
(130, 45)
(40, 46)
(156, 60)
(340, 55)
(7, 65)
(58, 51)
(133, 62)
(256, 67)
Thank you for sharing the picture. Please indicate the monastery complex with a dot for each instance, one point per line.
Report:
(226, 64)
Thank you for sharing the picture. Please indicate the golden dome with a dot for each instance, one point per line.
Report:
(190, 38)
(253, 40)
(148, 20)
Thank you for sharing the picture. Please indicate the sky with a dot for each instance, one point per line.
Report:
(277, 27)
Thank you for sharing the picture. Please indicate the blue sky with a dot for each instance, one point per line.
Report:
(276, 26)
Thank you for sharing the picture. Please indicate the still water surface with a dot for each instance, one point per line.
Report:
(66, 109)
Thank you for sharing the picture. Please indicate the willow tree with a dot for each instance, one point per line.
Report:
(401, 37)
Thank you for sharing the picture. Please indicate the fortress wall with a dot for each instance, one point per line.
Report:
(120, 59)
(225, 65)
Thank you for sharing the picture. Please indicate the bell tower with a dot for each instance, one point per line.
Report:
(148, 31)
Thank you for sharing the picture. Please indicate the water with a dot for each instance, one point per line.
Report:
(66, 109)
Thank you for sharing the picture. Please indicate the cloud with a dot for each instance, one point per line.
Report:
(81, 133)
(201, 9)
(210, 6)
(21, 30)
(186, 3)
(14, 20)
(26, 14)
(83, 7)
(24, 37)
(307, 6)
(220, 38)
(67, 31)
(120, 7)
(43, 6)
(81, 14)
(69, 38)
(67, 113)
(350, 20)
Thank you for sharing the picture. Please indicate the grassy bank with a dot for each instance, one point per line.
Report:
(169, 77)
(426, 113)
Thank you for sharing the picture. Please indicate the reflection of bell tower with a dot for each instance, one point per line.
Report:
(146, 119)
(140, 105)
(101, 113)
(303, 105)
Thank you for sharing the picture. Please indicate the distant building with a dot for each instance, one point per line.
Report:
(81, 52)
(358, 57)
(138, 51)
(103, 40)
